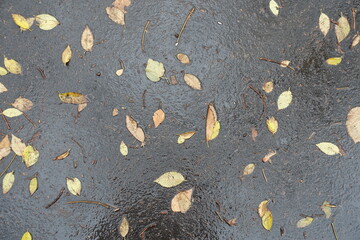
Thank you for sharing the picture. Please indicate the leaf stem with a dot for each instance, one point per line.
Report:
(7, 167)
(106, 205)
(143, 35)
(184, 24)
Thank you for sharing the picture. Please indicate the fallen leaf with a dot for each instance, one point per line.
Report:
(262, 208)
(268, 87)
(116, 15)
(121, 4)
(216, 131)
(33, 185)
(211, 120)
(304, 222)
(30, 156)
(66, 55)
(124, 227)
(328, 148)
(184, 136)
(22, 104)
(26, 236)
(133, 128)
(181, 202)
(3, 71)
(119, 72)
(342, 29)
(274, 7)
(334, 61)
(8, 182)
(2, 88)
(17, 145)
(30, 21)
(183, 58)
(268, 156)
(12, 66)
(267, 220)
(63, 155)
(192, 81)
(354, 42)
(5, 147)
(123, 149)
(284, 100)
(231, 222)
(324, 23)
(12, 112)
(249, 169)
(284, 63)
(158, 117)
(115, 112)
(325, 207)
(87, 39)
(353, 124)
(254, 134)
(46, 21)
(170, 179)
(73, 98)
(20, 21)
(154, 70)
(74, 186)
(81, 107)
(272, 125)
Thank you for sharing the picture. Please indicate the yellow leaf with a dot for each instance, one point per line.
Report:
(354, 42)
(183, 58)
(304, 222)
(180, 140)
(133, 128)
(334, 61)
(342, 29)
(274, 7)
(249, 169)
(20, 21)
(262, 208)
(74, 186)
(325, 207)
(116, 15)
(185, 136)
(26, 236)
(17, 145)
(33, 185)
(353, 124)
(216, 130)
(272, 125)
(63, 155)
(124, 227)
(211, 121)
(12, 66)
(324, 23)
(46, 21)
(284, 100)
(267, 220)
(119, 72)
(66, 55)
(87, 39)
(30, 156)
(123, 149)
(8, 182)
(12, 112)
(170, 179)
(268, 87)
(2, 88)
(3, 71)
(5, 148)
(181, 202)
(154, 70)
(158, 117)
(192, 81)
(22, 104)
(328, 148)
(30, 21)
(73, 98)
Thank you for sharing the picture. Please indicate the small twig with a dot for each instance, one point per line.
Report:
(219, 205)
(143, 99)
(264, 175)
(81, 148)
(262, 99)
(62, 190)
(353, 11)
(122, 64)
(143, 35)
(98, 203)
(334, 22)
(100, 42)
(29, 119)
(5, 120)
(244, 101)
(42, 73)
(280, 63)
(7, 167)
(334, 231)
(142, 234)
(218, 214)
(184, 24)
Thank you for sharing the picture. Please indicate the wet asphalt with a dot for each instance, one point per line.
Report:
(224, 40)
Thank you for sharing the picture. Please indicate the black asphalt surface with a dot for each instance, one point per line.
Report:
(224, 40)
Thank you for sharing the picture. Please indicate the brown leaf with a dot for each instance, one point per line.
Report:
(81, 106)
(17, 145)
(133, 128)
(87, 39)
(5, 148)
(353, 124)
(268, 156)
(116, 15)
(231, 222)
(192, 81)
(355, 41)
(211, 118)
(183, 58)
(63, 155)
(121, 4)
(22, 104)
(254, 134)
(268, 87)
(158, 117)
(115, 112)
(182, 201)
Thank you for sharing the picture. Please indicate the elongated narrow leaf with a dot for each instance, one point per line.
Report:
(5, 147)
(74, 186)
(33, 185)
(123, 149)
(87, 39)
(324, 23)
(355, 41)
(353, 124)
(8, 182)
(184, 136)
(284, 100)
(334, 61)
(274, 7)
(73, 98)
(211, 120)
(328, 148)
(66, 55)
(170, 179)
(124, 227)
(181, 202)
(63, 155)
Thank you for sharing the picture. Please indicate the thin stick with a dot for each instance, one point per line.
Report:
(143, 99)
(62, 190)
(353, 11)
(262, 99)
(143, 35)
(264, 175)
(122, 64)
(142, 234)
(184, 24)
(273, 61)
(334, 231)
(218, 214)
(5, 120)
(81, 148)
(29, 119)
(7, 167)
(96, 202)
(42, 72)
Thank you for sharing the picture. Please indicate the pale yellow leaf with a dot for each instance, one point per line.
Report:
(274, 7)
(216, 131)
(20, 21)
(2, 88)
(249, 169)
(262, 208)
(26, 236)
(8, 182)
(12, 66)
(353, 124)
(354, 42)
(284, 100)
(119, 72)
(325, 207)
(121, 4)
(46, 21)
(74, 186)
(334, 61)
(17, 145)
(304, 222)
(181, 140)
(272, 125)
(124, 227)
(324, 23)
(133, 128)
(158, 117)
(30, 21)
(87, 39)
(123, 149)
(81, 107)
(30, 156)
(5, 147)
(211, 120)
(268, 87)
(328, 148)
(22, 104)
(342, 29)
(181, 202)
(116, 15)
(3, 71)
(12, 112)
(184, 136)
(284, 63)
(267, 220)
(183, 58)
(192, 81)
(154, 70)
(170, 179)
(73, 98)
(33, 185)
(62, 155)
(115, 112)
(268, 156)
(66, 55)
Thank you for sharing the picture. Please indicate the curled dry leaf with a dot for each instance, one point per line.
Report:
(262, 208)
(284, 100)
(274, 7)
(20, 21)
(12, 66)
(154, 70)
(158, 117)
(328, 148)
(353, 124)
(211, 121)
(184, 136)
(192, 81)
(8, 182)
(116, 15)
(342, 29)
(124, 227)
(249, 169)
(268, 87)
(133, 128)
(26, 236)
(231, 222)
(334, 61)
(115, 112)
(63, 155)
(46, 21)
(17, 145)
(12, 112)
(268, 156)
(304, 222)
(324, 23)
(183, 58)
(5, 147)
(87, 39)
(272, 125)
(326, 208)
(181, 202)
(22, 104)
(354, 42)
(284, 63)
(30, 156)
(81, 107)
(267, 220)
(3, 71)
(66, 55)
(124, 149)
(73, 98)
(170, 179)
(74, 186)
(33, 185)
(254, 134)
(2, 88)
